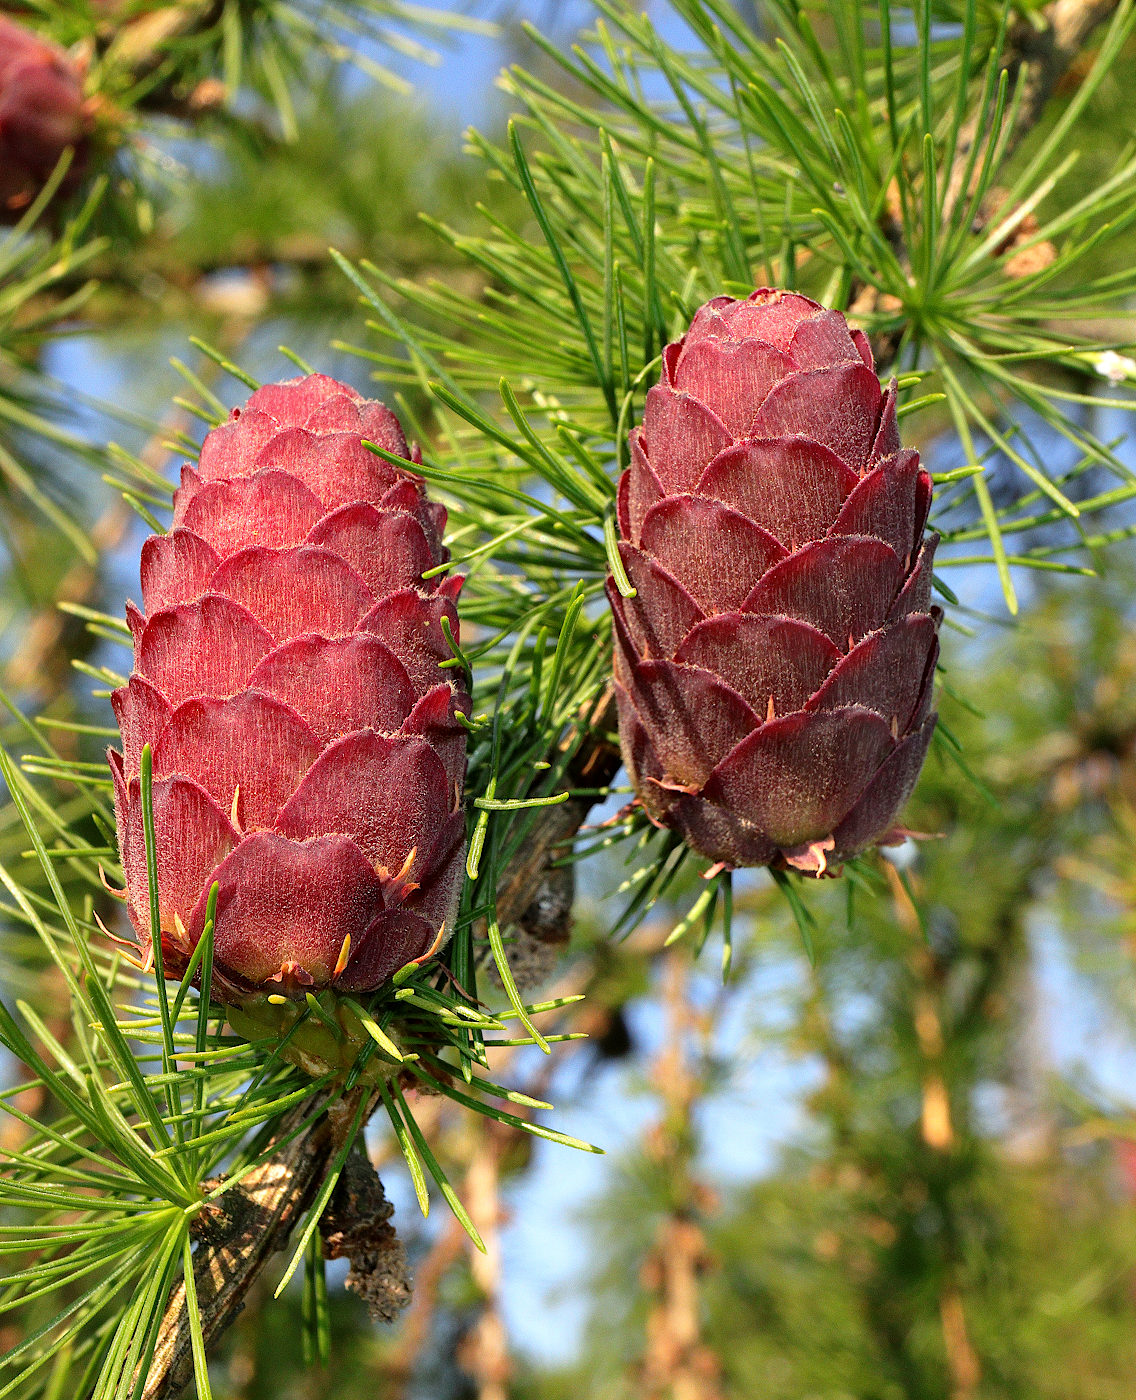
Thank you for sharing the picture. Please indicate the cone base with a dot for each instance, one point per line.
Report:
(334, 1043)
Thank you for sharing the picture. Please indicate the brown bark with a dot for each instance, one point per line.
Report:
(1048, 55)
(356, 1226)
(1041, 57)
(140, 46)
(536, 894)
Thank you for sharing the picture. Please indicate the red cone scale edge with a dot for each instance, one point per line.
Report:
(774, 669)
(307, 754)
(42, 112)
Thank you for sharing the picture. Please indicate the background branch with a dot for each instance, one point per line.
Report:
(1041, 56)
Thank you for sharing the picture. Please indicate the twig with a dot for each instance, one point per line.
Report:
(356, 1226)
(141, 46)
(536, 894)
(236, 1242)
(1049, 54)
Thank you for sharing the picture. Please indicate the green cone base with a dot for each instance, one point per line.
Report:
(326, 1041)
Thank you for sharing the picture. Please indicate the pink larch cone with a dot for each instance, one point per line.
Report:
(307, 754)
(42, 112)
(774, 670)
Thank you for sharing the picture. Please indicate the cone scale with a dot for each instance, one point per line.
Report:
(306, 747)
(774, 667)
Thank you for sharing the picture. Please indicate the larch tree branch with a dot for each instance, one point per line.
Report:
(259, 1213)
(1049, 53)
(535, 895)
(1040, 57)
(235, 1240)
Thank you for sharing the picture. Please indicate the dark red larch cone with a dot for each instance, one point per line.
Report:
(774, 669)
(307, 751)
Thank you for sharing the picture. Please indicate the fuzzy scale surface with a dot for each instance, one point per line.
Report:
(307, 754)
(774, 669)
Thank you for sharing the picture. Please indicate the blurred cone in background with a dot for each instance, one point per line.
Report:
(42, 113)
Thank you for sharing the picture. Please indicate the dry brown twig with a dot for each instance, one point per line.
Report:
(1040, 58)
(356, 1226)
